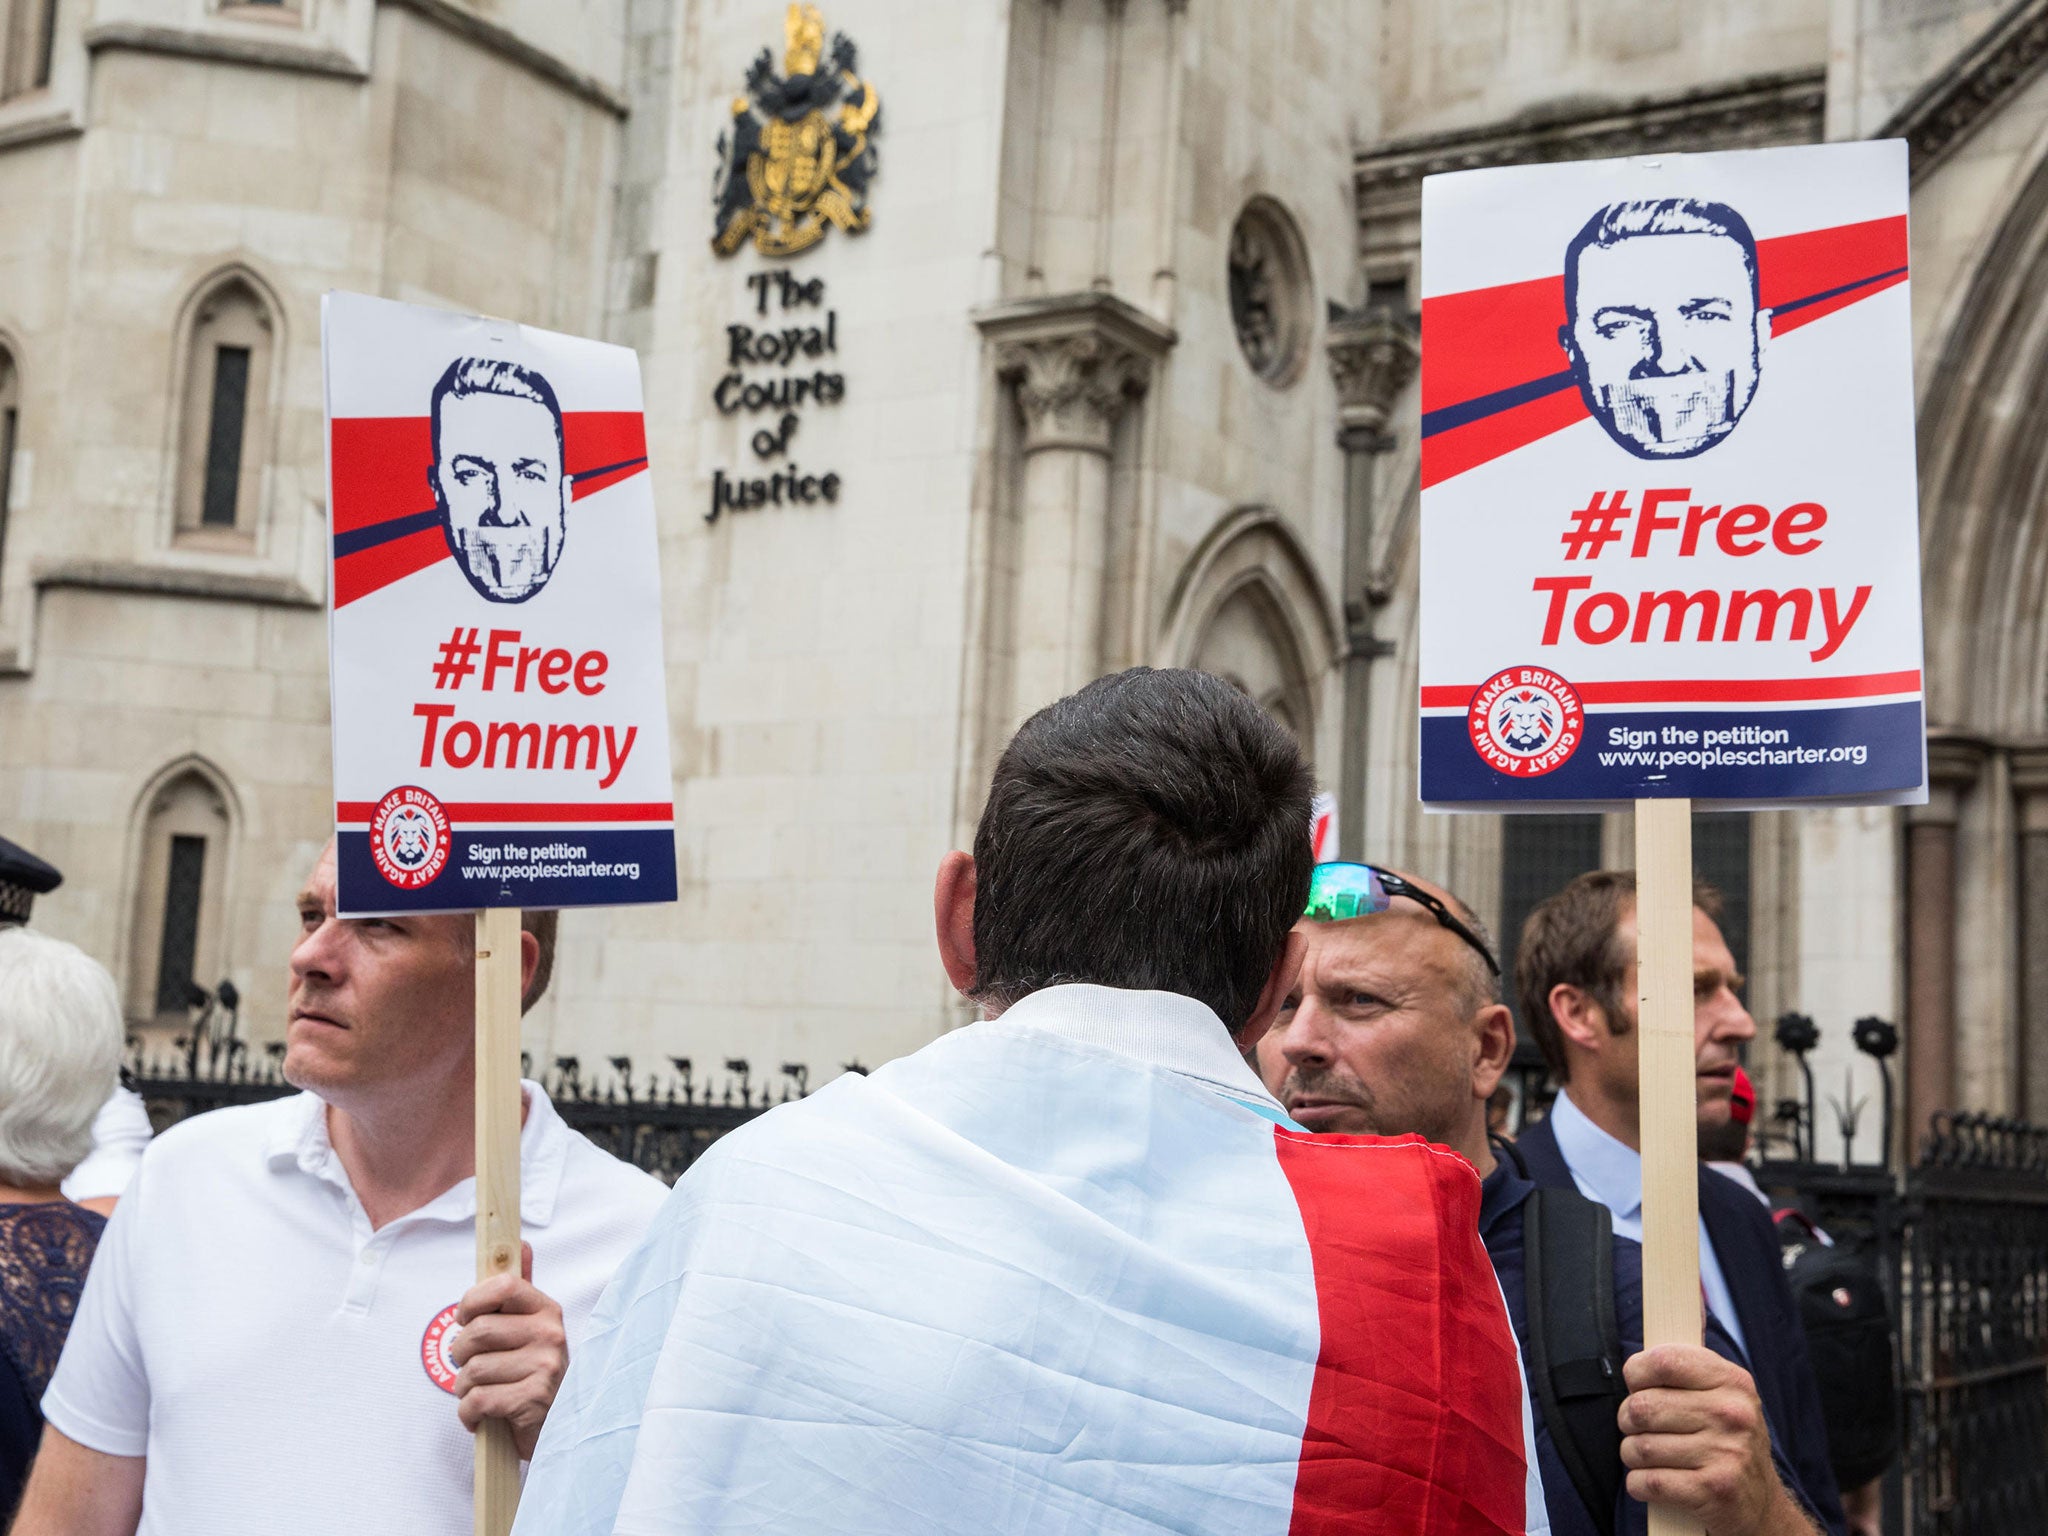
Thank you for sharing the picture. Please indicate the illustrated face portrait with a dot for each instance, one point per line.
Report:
(1664, 333)
(498, 476)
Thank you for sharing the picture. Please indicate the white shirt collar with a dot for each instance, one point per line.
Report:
(299, 1140)
(1162, 1029)
(1608, 1170)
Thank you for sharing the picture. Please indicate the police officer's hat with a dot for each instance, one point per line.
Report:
(23, 877)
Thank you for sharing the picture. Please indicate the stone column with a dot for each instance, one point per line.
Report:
(1953, 763)
(2030, 789)
(1075, 362)
(1372, 358)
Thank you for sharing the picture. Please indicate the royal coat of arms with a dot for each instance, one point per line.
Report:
(800, 154)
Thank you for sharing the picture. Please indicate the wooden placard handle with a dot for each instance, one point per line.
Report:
(497, 1177)
(1667, 1103)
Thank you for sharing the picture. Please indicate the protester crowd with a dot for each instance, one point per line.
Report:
(1203, 1226)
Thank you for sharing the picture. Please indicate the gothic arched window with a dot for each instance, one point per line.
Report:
(10, 437)
(175, 936)
(225, 414)
(1247, 642)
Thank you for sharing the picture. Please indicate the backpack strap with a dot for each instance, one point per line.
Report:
(1574, 1341)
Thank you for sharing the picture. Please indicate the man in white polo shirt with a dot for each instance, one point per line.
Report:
(281, 1329)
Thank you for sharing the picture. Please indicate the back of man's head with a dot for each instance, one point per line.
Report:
(1149, 832)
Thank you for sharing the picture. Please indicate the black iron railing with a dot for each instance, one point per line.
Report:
(1960, 1240)
(661, 1122)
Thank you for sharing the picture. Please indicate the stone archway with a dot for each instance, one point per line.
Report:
(1249, 606)
(1976, 897)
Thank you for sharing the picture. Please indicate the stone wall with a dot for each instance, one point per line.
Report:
(376, 149)
(1460, 63)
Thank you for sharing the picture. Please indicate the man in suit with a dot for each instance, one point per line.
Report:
(1575, 973)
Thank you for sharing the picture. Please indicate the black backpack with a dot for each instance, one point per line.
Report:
(1849, 1335)
(1575, 1342)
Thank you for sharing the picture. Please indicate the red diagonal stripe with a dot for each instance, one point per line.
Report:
(357, 811)
(1452, 452)
(593, 439)
(362, 573)
(1777, 690)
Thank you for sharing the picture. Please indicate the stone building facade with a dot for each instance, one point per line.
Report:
(1124, 361)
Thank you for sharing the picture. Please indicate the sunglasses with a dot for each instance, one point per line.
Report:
(1340, 890)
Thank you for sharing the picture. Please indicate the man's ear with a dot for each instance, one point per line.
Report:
(1763, 330)
(1580, 1020)
(529, 961)
(1564, 340)
(953, 916)
(1273, 996)
(1495, 1027)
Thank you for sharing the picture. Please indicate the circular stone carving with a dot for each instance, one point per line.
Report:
(1269, 291)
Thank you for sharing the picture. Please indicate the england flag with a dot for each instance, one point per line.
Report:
(1029, 1281)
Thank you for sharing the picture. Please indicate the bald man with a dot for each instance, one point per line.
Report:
(1395, 1024)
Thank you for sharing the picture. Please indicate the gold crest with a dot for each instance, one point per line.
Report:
(800, 153)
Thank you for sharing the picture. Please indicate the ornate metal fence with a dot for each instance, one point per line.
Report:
(1973, 1329)
(662, 1122)
(1960, 1240)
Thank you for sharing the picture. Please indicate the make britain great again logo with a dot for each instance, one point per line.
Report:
(1526, 721)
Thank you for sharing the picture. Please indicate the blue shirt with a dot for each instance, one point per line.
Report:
(1611, 1172)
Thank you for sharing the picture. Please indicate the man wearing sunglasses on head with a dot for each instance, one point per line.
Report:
(1395, 1025)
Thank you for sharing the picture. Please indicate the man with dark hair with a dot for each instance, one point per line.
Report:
(1395, 1025)
(1663, 325)
(498, 476)
(1068, 1268)
(1575, 973)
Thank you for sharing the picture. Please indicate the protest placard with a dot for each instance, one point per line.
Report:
(1670, 538)
(499, 706)
(500, 713)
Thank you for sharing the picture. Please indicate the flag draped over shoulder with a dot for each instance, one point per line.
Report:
(1020, 1283)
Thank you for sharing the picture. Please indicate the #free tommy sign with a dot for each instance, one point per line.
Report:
(1670, 534)
(500, 713)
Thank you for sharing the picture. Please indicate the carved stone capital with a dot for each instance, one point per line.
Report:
(1954, 764)
(1955, 759)
(1075, 361)
(1072, 388)
(2030, 785)
(1373, 357)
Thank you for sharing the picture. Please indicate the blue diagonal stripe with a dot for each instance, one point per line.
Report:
(358, 539)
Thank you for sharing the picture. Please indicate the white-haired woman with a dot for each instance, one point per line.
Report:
(60, 1053)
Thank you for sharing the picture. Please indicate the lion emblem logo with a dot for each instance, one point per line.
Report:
(409, 838)
(1526, 721)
